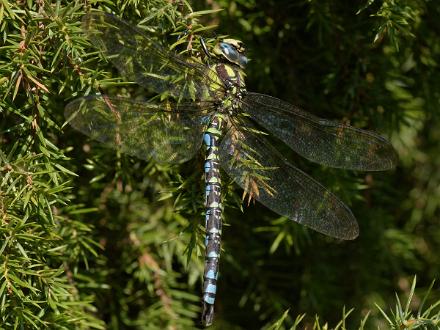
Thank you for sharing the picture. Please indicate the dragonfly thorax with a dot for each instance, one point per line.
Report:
(230, 103)
(232, 79)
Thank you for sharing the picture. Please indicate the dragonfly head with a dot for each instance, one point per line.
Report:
(232, 50)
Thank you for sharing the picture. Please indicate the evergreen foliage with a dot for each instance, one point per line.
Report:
(94, 239)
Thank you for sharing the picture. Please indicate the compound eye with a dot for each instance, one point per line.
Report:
(229, 52)
(243, 61)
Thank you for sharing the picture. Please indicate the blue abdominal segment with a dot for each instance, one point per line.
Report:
(213, 221)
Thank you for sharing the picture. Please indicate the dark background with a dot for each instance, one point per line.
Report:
(121, 242)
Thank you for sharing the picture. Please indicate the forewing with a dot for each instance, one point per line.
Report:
(169, 133)
(319, 140)
(140, 57)
(283, 188)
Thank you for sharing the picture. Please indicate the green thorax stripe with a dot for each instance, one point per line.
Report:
(220, 73)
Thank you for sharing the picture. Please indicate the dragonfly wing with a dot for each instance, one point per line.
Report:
(319, 140)
(269, 178)
(165, 132)
(139, 57)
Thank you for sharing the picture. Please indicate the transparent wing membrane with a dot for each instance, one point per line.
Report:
(319, 140)
(171, 132)
(168, 133)
(283, 188)
(139, 57)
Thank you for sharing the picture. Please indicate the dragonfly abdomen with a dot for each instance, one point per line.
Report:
(213, 221)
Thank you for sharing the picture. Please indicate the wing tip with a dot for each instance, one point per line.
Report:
(386, 163)
(352, 235)
(347, 229)
(349, 234)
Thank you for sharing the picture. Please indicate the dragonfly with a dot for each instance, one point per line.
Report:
(207, 102)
